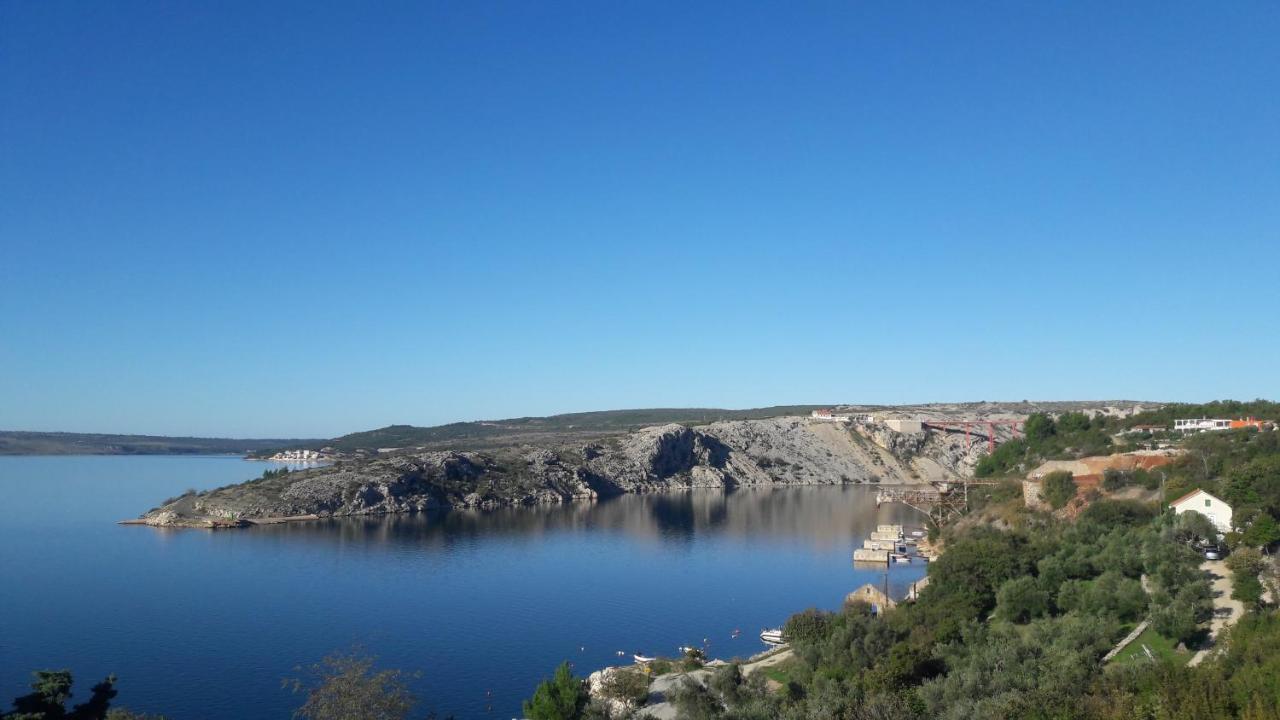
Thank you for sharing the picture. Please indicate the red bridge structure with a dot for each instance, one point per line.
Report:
(968, 427)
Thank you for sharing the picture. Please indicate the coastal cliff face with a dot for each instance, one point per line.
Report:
(775, 451)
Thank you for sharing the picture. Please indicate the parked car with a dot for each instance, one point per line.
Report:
(1212, 554)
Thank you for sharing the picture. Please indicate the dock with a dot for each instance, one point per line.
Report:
(871, 556)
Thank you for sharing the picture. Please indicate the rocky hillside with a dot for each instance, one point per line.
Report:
(781, 451)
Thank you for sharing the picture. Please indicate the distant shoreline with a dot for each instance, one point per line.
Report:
(19, 443)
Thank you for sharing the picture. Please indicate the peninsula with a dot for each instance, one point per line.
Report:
(587, 456)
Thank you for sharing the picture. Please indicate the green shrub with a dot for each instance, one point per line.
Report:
(1058, 488)
(628, 686)
(562, 697)
(1247, 589)
(1021, 600)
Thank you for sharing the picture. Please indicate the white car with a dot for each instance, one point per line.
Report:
(1212, 555)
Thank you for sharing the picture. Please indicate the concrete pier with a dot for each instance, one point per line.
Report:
(871, 556)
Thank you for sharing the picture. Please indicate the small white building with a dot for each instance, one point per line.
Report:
(1214, 508)
(833, 416)
(901, 425)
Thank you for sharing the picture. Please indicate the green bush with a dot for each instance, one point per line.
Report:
(1247, 589)
(1246, 561)
(1021, 600)
(626, 685)
(562, 697)
(1058, 488)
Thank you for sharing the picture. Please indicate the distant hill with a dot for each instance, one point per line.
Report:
(61, 443)
(529, 429)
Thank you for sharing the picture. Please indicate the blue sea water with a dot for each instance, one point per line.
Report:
(204, 624)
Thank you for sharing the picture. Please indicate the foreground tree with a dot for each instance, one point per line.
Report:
(561, 698)
(345, 686)
(50, 693)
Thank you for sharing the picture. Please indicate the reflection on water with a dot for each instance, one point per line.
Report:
(485, 603)
(823, 517)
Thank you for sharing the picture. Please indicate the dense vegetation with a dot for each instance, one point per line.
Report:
(1260, 409)
(1023, 606)
(1241, 467)
(1070, 435)
(1014, 625)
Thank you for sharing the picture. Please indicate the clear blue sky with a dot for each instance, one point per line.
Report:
(304, 219)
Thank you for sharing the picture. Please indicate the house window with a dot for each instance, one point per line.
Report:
(1206, 502)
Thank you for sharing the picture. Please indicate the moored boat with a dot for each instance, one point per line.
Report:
(772, 637)
(641, 658)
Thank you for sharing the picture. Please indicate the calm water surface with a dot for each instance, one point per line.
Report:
(201, 624)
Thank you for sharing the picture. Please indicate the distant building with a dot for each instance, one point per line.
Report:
(1214, 508)
(913, 593)
(904, 426)
(873, 596)
(299, 456)
(1191, 425)
(832, 416)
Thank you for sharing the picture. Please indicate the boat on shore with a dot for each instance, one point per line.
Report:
(640, 658)
(772, 637)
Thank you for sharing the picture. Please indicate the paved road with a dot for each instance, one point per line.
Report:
(1225, 610)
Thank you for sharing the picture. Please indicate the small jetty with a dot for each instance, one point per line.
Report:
(890, 544)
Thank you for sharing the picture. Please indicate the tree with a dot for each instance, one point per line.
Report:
(1175, 620)
(50, 693)
(1058, 488)
(560, 698)
(1113, 480)
(1021, 600)
(344, 686)
(1038, 427)
(1073, 422)
(1191, 525)
(1263, 531)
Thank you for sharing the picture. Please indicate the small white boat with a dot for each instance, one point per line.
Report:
(917, 533)
(902, 558)
(685, 649)
(772, 637)
(643, 658)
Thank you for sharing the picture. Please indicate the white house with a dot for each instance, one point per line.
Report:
(1218, 512)
(1201, 424)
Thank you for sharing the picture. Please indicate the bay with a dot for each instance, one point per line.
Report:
(207, 624)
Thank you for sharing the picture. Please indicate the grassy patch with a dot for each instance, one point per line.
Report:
(1161, 647)
(783, 671)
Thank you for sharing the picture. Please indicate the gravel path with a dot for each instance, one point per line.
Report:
(1225, 610)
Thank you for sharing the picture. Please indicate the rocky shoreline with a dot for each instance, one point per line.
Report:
(751, 453)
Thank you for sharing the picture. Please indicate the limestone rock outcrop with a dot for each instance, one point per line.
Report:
(774, 451)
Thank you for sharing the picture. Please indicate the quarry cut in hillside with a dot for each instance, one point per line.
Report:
(773, 451)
